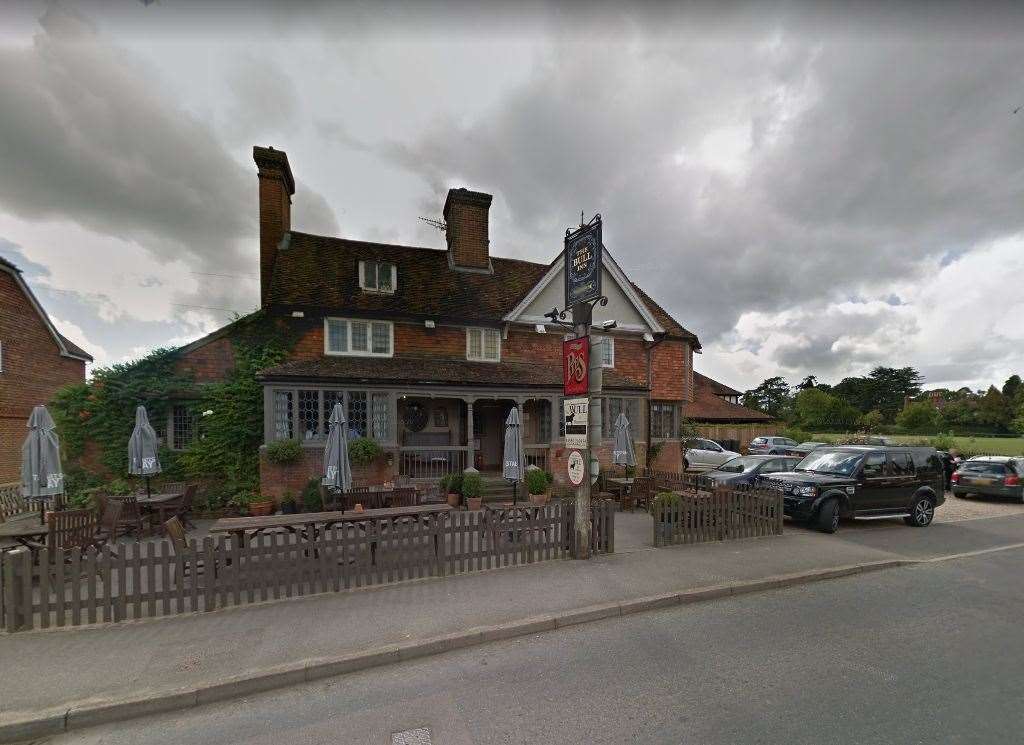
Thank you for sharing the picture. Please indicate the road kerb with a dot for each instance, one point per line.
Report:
(79, 715)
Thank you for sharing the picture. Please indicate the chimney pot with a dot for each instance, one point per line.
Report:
(466, 216)
(276, 188)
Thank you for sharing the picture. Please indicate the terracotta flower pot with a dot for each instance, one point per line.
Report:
(539, 500)
(475, 503)
(454, 500)
(261, 509)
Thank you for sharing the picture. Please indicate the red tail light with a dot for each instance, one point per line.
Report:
(1012, 480)
(955, 478)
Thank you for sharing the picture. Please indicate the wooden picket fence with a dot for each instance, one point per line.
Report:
(147, 579)
(699, 511)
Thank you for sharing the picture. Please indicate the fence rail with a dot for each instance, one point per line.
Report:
(146, 579)
(717, 514)
(430, 462)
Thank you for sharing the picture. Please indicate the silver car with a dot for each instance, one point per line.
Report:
(703, 455)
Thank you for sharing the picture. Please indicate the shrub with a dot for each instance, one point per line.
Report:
(288, 499)
(549, 477)
(536, 482)
(311, 500)
(795, 433)
(666, 498)
(919, 416)
(943, 442)
(243, 499)
(451, 483)
(472, 485)
(363, 450)
(284, 451)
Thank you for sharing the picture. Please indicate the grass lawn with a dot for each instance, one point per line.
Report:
(969, 445)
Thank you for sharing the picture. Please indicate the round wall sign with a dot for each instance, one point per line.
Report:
(576, 468)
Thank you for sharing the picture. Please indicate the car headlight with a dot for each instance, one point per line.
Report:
(806, 491)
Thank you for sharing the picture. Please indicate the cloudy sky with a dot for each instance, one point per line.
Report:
(810, 189)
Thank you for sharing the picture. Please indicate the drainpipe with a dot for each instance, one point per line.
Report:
(648, 347)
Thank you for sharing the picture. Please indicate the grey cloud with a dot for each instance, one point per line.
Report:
(865, 158)
(88, 137)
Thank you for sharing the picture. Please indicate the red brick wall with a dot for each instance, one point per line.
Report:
(210, 362)
(670, 380)
(467, 234)
(276, 479)
(33, 371)
(526, 345)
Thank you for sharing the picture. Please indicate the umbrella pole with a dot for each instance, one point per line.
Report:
(148, 494)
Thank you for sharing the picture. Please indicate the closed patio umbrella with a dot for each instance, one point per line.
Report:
(623, 454)
(337, 471)
(513, 468)
(41, 474)
(143, 459)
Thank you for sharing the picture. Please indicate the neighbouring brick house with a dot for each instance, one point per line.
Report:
(428, 349)
(35, 361)
(719, 416)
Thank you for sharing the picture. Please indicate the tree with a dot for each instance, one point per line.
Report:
(772, 397)
(920, 416)
(892, 386)
(809, 382)
(816, 410)
(1012, 387)
(994, 409)
(858, 392)
(871, 421)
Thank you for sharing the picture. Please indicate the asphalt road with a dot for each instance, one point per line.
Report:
(927, 654)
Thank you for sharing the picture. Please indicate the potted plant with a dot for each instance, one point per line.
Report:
(241, 500)
(362, 451)
(451, 485)
(284, 452)
(538, 487)
(260, 506)
(472, 490)
(288, 504)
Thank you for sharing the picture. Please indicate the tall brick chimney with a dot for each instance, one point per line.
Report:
(466, 216)
(276, 189)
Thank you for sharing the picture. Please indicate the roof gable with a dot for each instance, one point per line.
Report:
(65, 346)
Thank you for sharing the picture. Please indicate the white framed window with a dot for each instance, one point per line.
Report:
(347, 336)
(483, 345)
(607, 352)
(378, 276)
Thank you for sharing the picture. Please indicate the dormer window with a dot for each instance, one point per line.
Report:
(378, 276)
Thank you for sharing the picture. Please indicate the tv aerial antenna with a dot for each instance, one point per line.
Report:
(439, 224)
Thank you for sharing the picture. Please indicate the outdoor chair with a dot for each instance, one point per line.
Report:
(11, 504)
(403, 496)
(193, 565)
(642, 491)
(332, 501)
(185, 505)
(132, 519)
(109, 517)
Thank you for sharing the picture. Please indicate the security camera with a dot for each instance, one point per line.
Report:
(608, 325)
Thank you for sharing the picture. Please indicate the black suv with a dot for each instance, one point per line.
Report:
(862, 481)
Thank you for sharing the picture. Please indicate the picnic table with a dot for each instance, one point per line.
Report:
(24, 531)
(309, 523)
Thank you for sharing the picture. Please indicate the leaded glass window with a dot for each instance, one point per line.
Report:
(183, 423)
(282, 415)
(357, 413)
(308, 414)
(380, 416)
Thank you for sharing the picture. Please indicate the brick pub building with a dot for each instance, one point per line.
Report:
(428, 349)
(35, 362)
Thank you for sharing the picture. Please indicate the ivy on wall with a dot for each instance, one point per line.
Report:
(95, 419)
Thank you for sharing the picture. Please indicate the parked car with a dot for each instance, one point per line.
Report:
(804, 448)
(747, 468)
(862, 481)
(770, 445)
(991, 476)
(703, 455)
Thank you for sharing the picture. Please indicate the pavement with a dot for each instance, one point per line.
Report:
(186, 660)
(923, 654)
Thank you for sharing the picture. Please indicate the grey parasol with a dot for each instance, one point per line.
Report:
(143, 459)
(623, 454)
(513, 468)
(337, 471)
(41, 474)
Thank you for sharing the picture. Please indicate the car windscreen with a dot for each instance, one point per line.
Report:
(837, 462)
(981, 466)
(740, 465)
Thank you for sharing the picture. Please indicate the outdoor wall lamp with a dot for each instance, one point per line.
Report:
(430, 324)
(540, 328)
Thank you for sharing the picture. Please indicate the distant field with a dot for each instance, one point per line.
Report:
(971, 445)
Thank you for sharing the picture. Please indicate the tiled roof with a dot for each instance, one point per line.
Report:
(427, 370)
(73, 348)
(708, 407)
(720, 389)
(321, 273)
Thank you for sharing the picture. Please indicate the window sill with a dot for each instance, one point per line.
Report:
(359, 354)
(372, 291)
(481, 359)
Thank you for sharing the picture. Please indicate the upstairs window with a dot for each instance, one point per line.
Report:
(664, 421)
(607, 348)
(483, 345)
(378, 276)
(344, 336)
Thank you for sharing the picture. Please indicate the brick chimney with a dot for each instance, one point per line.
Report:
(276, 189)
(466, 216)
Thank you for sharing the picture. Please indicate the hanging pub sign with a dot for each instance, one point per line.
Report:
(583, 264)
(575, 366)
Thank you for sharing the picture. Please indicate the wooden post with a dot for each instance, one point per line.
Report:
(582, 315)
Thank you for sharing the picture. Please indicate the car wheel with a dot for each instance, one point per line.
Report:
(922, 513)
(961, 495)
(828, 516)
